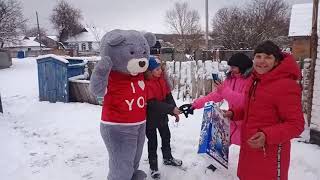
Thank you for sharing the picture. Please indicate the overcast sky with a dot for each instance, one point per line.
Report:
(147, 15)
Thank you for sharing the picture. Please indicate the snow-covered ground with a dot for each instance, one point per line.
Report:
(54, 141)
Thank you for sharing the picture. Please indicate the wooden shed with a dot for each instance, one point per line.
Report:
(53, 74)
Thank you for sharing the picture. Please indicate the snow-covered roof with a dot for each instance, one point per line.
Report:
(91, 58)
(59, 58)
(64, 59)
(32, 38)
(24, 43)
(301, 20)
(90, 35)
(55, 38)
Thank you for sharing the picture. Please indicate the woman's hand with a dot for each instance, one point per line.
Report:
(177, 118)
(176, 111)
(219, 87)
(227, 114)
(258, 140)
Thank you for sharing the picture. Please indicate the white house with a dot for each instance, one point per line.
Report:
(87, 40)
(24, 44)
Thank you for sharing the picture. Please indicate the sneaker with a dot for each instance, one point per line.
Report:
(155, 174)
(172, 162)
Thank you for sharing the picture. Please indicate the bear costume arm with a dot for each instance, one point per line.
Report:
(99, 78)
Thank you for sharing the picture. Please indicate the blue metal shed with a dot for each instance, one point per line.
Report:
(53, 74)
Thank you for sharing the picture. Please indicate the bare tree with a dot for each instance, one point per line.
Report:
(66, 20)
(185, 22)
(34, 32)
(229, 27)
(96, 32)
(11, 21)
(269, 19)
(258, 21)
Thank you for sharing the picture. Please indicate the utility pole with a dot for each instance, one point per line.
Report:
(39, 34)
(207, 26)
(313, 51)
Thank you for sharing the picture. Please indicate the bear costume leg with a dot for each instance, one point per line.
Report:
(124, 145)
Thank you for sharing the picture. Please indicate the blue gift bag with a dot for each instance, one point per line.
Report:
(215, 136)
(205, 133)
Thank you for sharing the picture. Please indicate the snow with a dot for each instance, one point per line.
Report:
(315, 119)
(91, 58)
(54, 141)
(92, 35)
(59, 58)
(55, 38)
(24, 43)
(301, 20)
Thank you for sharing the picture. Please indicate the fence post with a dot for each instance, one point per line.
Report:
(179, 77)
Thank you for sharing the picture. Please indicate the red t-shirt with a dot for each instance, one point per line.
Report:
(125, 101)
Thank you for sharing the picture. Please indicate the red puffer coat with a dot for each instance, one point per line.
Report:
(273, 106)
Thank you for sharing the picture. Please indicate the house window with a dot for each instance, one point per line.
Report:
(83, 46)
(76, 45)
(90, 46)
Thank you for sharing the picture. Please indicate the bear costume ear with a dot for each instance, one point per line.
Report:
(115, 38)
(151, 38)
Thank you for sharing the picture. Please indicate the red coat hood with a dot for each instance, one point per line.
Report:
(157, 88)
(288, 68)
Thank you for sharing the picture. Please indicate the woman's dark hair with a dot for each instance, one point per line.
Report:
(240, 60)
(269, 48)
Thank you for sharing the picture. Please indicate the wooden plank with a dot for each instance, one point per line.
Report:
(92, 99)
(86, 91)
(72, 97)
(57, 81)
(50, 77)
(193, 79)
(1, 109)
(179, 84)
(78, 96)
(79, 92)
(40, 80)
(62, 83)
(45, 82)
(82, 92)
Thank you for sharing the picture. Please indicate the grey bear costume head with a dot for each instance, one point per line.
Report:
(125, 51)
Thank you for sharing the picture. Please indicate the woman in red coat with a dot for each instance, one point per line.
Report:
(272, 115)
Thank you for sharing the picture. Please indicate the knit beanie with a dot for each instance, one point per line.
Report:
(153, 63)
(240, 60)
